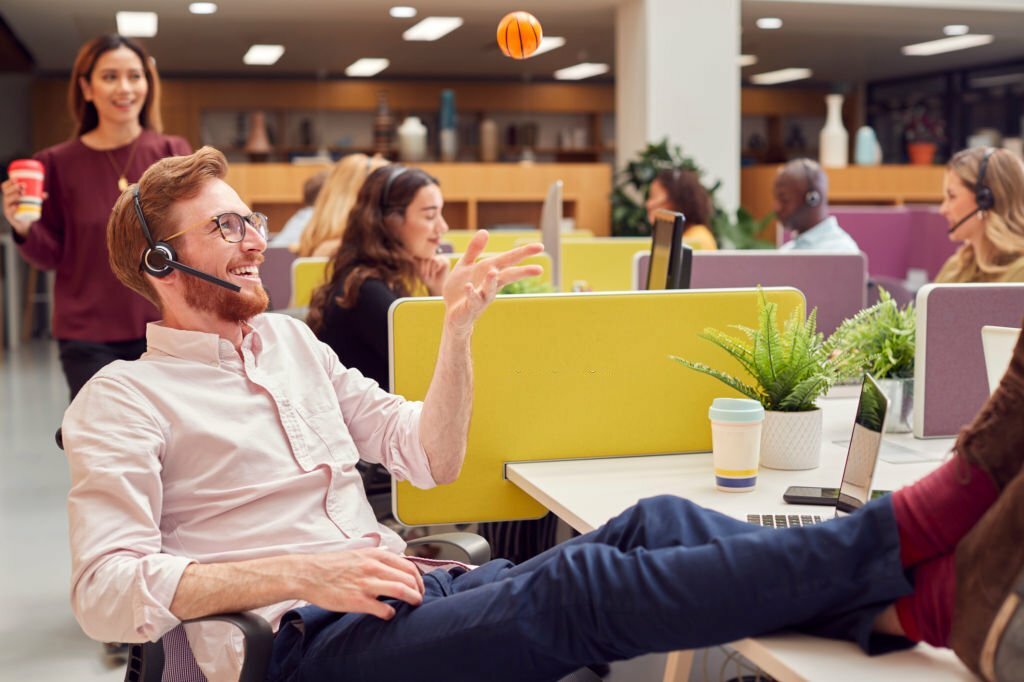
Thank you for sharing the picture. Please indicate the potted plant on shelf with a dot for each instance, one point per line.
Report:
(790, 370)
(880, 340)
(923, 129)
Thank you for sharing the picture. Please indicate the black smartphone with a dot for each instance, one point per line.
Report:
(826, 497)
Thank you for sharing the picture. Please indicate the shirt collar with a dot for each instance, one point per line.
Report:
(827, 225)
(204, 347)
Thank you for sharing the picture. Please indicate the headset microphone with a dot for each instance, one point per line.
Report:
(160, 258)
(964, 220)
(983, 196)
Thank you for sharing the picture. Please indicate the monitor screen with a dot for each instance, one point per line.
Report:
(865, 444)
(669, 266)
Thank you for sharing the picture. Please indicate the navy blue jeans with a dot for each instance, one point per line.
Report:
(663, 575)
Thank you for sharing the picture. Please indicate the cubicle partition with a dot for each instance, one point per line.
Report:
(835, 284)
(950, 381)
(276, 274)
(561, 376)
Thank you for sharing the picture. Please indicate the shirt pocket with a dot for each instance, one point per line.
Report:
(326, 429)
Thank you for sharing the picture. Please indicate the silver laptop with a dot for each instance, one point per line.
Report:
(861, 458)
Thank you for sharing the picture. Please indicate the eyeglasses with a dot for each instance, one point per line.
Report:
(232, 226)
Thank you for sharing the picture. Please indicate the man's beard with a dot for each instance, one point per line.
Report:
(224, 303)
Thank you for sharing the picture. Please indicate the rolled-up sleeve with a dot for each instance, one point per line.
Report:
(122, 585)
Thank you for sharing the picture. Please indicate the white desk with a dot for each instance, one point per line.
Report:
(586, 493)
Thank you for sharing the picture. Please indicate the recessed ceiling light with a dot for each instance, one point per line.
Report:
(263, 55)
(366, 67)
(548, 43)
(747, 60)
(769, 23)
(432, 28)
(955, 29)
(780, 76)
(136, 24)
(402, 12)
(581, 71)
(202, 7)
(946, 45)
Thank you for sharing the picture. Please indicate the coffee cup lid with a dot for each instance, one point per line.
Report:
(25, 164)
(736, 410)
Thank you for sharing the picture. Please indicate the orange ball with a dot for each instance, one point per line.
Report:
(519, 34)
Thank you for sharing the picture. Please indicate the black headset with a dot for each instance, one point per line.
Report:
(812, 197)
(159, 258)
(983, 193)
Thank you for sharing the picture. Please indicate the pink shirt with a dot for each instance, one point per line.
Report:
(195, 453)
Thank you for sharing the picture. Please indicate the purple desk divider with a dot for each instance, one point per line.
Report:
(929, 237)
(883, 233)
(950, 381)
(834, 283)
(276, 273)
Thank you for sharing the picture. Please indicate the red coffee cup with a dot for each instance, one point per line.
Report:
(29, 174)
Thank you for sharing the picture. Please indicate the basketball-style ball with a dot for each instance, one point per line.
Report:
(519, 34)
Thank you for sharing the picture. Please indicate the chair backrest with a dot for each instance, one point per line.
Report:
(308, 274)
(276, 273)
(950, 379)
(834, 283)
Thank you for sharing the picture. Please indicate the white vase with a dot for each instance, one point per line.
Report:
(412, 140)
(791, 440)
(834, 141)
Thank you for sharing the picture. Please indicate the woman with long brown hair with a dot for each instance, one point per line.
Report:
(388, 251)
(983, 200)
(114, 98)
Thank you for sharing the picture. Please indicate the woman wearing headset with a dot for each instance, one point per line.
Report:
(114, 97)
(680, 190)
(983, 200)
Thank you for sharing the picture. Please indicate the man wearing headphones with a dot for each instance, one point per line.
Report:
(801, 205)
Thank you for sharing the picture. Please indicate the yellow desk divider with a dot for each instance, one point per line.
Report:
(308, 274)
(503, 240)
(601, 263)
(564, 376)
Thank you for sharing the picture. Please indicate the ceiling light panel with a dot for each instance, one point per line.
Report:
(747, 60)
(263, 55)
(769, 23)
(548, 43)
(366, 67)
(402, 12)
(581, 71)
(781, 76)
(136, 24)
(202, 7)
(432, 28)
(943, 45)
(956, 29)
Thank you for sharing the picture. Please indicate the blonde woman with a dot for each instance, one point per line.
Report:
(983, 201)
(330, 212)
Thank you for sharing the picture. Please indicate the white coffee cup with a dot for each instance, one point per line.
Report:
(735, 442)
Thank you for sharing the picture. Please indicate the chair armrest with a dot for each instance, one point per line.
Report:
(259, 642)
(475, 549)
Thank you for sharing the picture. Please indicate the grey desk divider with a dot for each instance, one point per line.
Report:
(950, 381)
(834, 283)
(276, 273)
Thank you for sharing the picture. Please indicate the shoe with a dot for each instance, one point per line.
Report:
(994, 441)
(988, 619)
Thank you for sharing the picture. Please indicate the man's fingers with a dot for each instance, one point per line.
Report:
(403, 566)
(393, 590)
(474, 248)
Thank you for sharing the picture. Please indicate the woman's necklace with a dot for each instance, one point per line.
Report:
(122, 181)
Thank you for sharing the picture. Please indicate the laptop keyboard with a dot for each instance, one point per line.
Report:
(782, 520)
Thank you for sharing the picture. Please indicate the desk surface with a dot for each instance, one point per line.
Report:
(586, 493)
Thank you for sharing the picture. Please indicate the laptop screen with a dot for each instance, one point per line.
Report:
(865, 444)
(669, 266)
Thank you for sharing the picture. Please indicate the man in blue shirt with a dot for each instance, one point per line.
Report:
(801, 205)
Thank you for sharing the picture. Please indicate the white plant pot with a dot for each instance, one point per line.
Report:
(791, 440)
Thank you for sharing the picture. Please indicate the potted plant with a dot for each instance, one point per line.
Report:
(789, 371)
(880, 340)
(923, 128)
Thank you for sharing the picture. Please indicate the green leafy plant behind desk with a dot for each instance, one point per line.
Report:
(790, 369)
(879, 340)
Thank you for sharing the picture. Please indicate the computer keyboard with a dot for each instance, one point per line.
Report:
(782, 520)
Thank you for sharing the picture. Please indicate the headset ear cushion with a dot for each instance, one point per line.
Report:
(155, 260)
(813, 198)
(984, 198)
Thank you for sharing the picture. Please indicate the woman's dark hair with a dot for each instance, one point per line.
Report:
(84, 112)
(687, 195)
(370, 246)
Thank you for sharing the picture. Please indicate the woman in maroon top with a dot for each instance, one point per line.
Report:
(114, 96)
